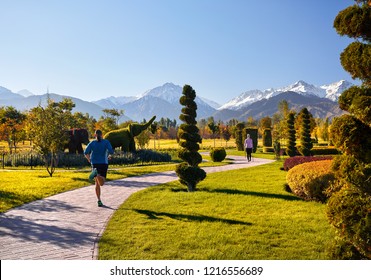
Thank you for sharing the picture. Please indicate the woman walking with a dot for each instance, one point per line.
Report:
(248, 147)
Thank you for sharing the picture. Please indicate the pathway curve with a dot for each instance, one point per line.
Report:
(68, 226)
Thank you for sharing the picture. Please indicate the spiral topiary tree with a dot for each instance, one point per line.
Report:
(291, 145)
(306, 144)
(349, 207)
(188, 171)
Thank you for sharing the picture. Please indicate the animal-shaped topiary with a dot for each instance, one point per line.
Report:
(124, 137)
(76, 137)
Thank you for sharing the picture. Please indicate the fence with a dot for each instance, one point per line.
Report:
(65, 160)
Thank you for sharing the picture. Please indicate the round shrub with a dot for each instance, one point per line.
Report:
(310, 180)
(218, 154)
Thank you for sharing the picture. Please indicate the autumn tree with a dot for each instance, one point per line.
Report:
(46, 128)
(349, 207)
(11, 126)
(189, 173)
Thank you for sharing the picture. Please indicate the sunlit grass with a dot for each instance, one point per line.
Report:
(241, 214)
(21, 185)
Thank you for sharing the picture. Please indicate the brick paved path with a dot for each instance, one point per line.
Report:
(68, 226)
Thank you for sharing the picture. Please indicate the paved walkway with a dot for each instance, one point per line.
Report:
(67, 226)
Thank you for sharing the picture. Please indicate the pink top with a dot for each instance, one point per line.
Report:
(248, 143)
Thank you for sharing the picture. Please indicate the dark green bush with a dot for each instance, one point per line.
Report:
(218, 154)
(189, 175)
(267, 138)
(349, 211)
(325, 151)
(268, 150)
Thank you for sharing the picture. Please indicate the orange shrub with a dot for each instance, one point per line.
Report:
(310, 180)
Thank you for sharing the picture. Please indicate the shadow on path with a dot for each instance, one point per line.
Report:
(14, 226)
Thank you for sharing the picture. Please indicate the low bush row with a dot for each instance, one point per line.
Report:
(294, 161)
(78, 160)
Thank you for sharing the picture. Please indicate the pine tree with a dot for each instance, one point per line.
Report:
(291, 145)
(188, 172)
(306, 144)
(349, 207)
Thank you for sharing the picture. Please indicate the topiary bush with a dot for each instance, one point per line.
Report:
(325, 151)
(267, 138)
(310, 180)
(349, 211)
(218, 154)
(189, 138)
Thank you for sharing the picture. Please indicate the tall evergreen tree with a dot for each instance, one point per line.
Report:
(291, 145)
(349, 207)
(306, 144)
(188, 172)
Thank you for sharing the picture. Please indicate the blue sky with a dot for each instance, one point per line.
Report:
(93, 49)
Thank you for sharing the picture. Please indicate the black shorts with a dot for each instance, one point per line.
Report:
(101, 168)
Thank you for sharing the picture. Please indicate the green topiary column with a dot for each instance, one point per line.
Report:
(239, 137)
(267, 138)
(306, 144)
(188, 172)
(349, 207)
(291, 145)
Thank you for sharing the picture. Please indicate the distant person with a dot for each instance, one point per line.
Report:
(248, 147)
(98, 152)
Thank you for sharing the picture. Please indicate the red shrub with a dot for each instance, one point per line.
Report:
(293, 161)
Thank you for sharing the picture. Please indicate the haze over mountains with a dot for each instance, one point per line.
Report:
(163, 101)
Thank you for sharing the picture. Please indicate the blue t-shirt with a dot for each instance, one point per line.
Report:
(99, 151)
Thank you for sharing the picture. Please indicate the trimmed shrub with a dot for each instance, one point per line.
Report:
(310, 180)
(268, 150)
(349, 211)
(294, 161)
(325, 151)
(267, 138)
(218, 154)
(291, 145)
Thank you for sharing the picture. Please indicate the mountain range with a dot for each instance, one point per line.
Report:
(163, 101)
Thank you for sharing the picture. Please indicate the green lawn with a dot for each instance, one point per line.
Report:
(241, 214)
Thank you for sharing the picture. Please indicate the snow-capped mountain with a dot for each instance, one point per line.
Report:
(163, 101)
(331, 91)
(114, 102)
(25, 93)
(334, 90)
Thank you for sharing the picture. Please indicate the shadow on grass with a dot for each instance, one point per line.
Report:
(192, 218)
(259, 194)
